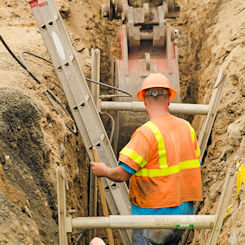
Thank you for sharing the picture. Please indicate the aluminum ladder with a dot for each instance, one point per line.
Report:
(80, 101)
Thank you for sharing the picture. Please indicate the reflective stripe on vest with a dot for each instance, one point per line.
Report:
(164, 170)
(134, 156)
(161, 146)
(168, 171)
(198, 152)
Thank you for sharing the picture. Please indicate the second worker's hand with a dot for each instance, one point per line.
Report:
(99, 169)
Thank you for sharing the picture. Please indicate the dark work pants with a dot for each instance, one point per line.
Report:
(157, 236)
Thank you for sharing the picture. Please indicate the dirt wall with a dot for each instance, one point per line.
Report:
(212, 38)
(34, 139)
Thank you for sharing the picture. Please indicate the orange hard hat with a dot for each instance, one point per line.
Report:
(156, 80)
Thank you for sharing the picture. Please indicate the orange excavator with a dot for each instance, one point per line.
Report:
(147, 45)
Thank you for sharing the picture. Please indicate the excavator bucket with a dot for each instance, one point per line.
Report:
(138, 63)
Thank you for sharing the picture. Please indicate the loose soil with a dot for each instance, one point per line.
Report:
(34, 139)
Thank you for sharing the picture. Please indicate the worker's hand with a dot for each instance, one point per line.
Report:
(99, 169)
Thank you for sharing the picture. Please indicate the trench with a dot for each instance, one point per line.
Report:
(102, 34)
(189, 67)
(34, 139)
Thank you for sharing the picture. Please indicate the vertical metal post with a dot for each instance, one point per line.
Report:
(92, 200)
(125, 48)
(223, 204)
(95, 75)
(95, 91)
(61, 196)
(213, 108)
(169, 52)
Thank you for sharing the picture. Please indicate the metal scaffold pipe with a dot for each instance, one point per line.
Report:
(174, 108)
(145, 221)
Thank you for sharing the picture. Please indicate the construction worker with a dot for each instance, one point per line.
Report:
(161, 162)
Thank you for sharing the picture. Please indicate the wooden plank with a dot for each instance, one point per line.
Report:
(103, 200)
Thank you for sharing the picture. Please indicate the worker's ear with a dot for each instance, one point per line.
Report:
(168, 100)
(145, 101)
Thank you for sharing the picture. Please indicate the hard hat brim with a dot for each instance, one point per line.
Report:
(173, 94)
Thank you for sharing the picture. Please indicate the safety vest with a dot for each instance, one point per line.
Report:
(165, 155)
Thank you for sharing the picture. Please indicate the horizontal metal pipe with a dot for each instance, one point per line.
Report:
(174, 108)
(146, 221)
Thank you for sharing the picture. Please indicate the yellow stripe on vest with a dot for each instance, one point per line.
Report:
(168, 171)
(192, 131)
(198, 152)
(161, 146)
(134, 156)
